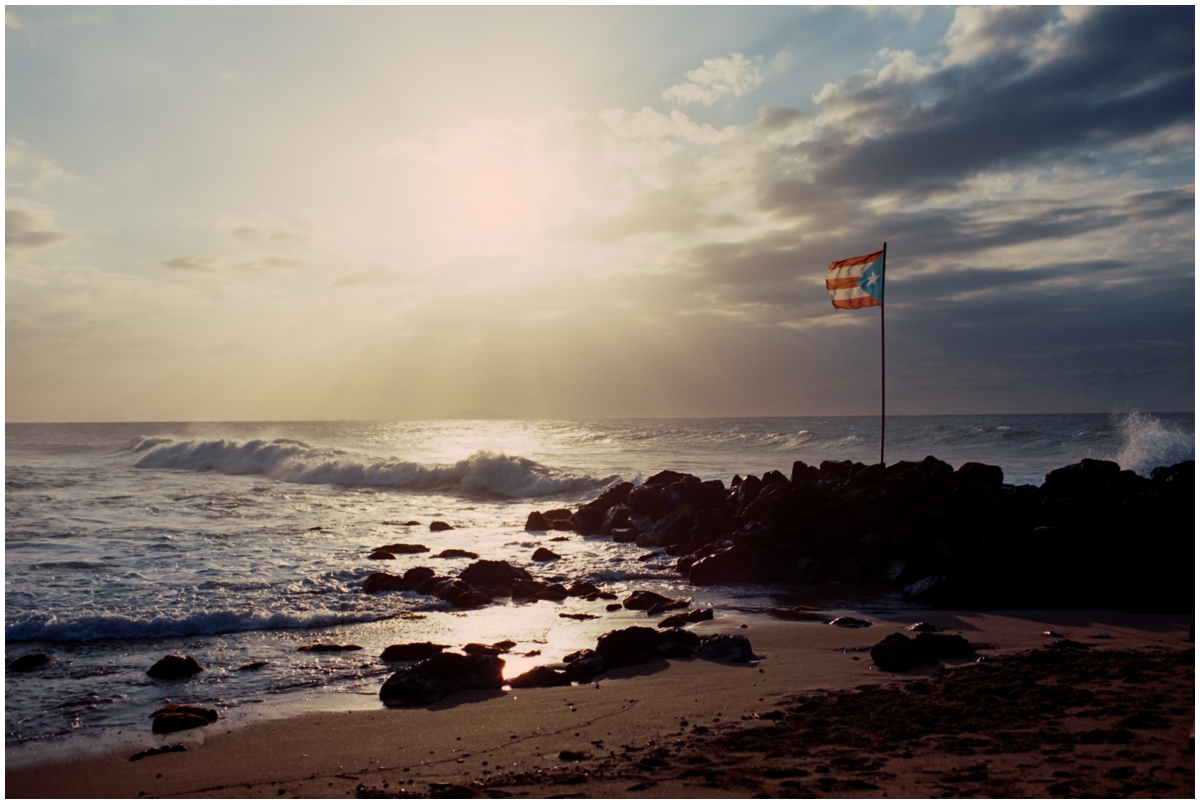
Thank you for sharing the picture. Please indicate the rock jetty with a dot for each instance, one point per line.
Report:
(1091, 536)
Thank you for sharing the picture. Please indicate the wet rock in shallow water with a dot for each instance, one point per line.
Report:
(173, 667)
(30, 661)
(943, 646)
(643, 600)
(259, 665)
(411, 651)
(725, 647)
(454, 552)
(381, 555)
(613, 607)
(475, 649)
(536, 522)
(674, 621)
(433, 679)
(897, 653)
(504, 645)
(850, 622)
(582, 589)
(178, 717)
(728, 565)
(578, 616)
(557, 515)
(628, 646)
(471, 599)
(624, 535)
(540, 676)
(493, 575)
(438, 526)
(402, 549)
(328, 647)
(543, 554)
(659, 608)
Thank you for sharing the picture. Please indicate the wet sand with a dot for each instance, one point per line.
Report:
(810, 719)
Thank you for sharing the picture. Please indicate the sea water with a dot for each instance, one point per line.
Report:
(239, 543)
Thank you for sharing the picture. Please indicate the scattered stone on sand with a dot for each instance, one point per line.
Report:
(897, 653)
(328, 647)
(613, 607)
(401, 548)
(583, 665)
(850, 622)
(434, 678)
(573, 756)
(454, 552)
(536, 522)
(152, 752)
(545, 554)
(258, 665)
(726, 647)
(540, 676)
(411, 651)
(172, 667)
(926, 627)
(30, 661)
(381, 555)
(577, 615)
(628, 646)
(437, 526)
(180, 717)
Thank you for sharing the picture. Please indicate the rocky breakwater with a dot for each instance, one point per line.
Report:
(1091, 536)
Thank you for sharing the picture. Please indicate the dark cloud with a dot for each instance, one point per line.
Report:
(25, 230)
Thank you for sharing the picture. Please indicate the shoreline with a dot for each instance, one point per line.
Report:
(522, 734)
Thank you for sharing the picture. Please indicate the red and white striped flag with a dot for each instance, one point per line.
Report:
(856, 282)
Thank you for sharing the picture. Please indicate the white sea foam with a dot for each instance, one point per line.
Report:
(484, 473)
(88, 627)
(1149, 442)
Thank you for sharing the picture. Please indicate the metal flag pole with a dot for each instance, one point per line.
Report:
(882, 363)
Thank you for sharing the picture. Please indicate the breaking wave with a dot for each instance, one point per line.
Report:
(1149, 442)
(484, 473)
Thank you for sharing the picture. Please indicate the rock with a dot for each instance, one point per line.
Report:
(659, 608)
(536, 522)
(411, 651)
(434, 678)
(725, 647)
(438, 526)
(674, 621)
(328, 647)
(943, 646)
(731, 564)
(624, 535)
(929, 628)
(583, 665)
(454, 552)
(166, 749)
(675, 643)
(560, 538)
(402, 549)
(578, 615)
(476, 649)
(628, 646)
(1067, 644)
(253, 666)
(557, 515)
(642, 600)
(699, 615)
(177, 717)
(850, 622)
(536, 590)
(173, 667)
(897, 653)
(30, 661)
(493, 575)
(472, 599)
(613, 607)
(587, 521)
(582, 589)
(987, 474)
(543, 554)
(384, 582)
(381, 555)
(1080, 479)
(540, 676)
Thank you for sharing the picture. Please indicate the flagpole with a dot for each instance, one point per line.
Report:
(882, 363)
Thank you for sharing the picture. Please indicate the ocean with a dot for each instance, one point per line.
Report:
(240, 542)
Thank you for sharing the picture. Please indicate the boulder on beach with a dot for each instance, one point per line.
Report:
(30, 661)
(437, 526)
(385, 582)
(897, 653)
(434, 678)
(540, 676)
(644, 600)
(173, 667)
(583, 665)
(675, 643)
(536, 522)
(411, 651)
(179, 717)
(494, 576)
(381, 555)
(726, 648)
(543, 554)
(628, 646)
(400, 548)
(455, 552)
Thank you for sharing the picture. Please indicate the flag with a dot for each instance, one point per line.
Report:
(856, 282)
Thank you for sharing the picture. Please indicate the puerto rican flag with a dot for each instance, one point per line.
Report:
(856, 282)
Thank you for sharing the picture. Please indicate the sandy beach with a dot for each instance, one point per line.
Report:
(814, 717)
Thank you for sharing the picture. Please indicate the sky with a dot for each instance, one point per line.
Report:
(305, 213)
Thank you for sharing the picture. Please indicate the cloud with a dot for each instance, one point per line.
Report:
(191, 263)
(28, 227)
(201, 263)
(25, 168)
(375, 275)
(11, 21)
(715, 79)
(263, 227)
